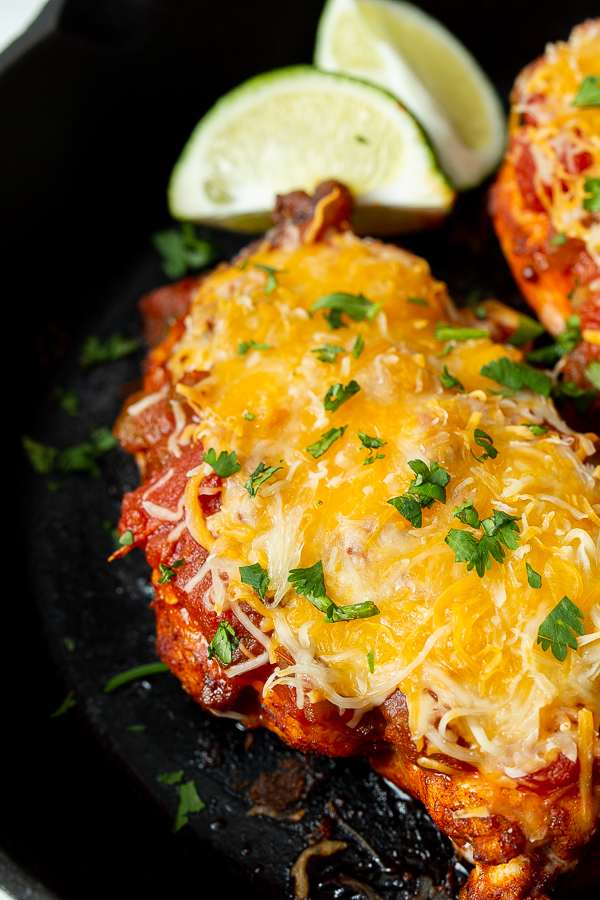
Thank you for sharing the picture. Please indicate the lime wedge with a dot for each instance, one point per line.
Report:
(402, 49)
(293, 128)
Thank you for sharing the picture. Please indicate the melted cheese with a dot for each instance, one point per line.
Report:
(462, 648)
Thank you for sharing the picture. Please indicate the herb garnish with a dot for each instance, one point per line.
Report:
(67, 400)
(371, 443)
(181, 250)
(338, 394)
(535, 580)
(484, 440)
(255, 577)
(68, 703)
(445, 332)
(592, 187)
(418, 301)
(271, 282)
(261, 474)
(136, 729)
(81, 458)
(358, 346)
(536, 429)
(171, 777)
(225, 465)
(168, 573)
(115, 347)
(248, 416)
(423, 491)
(559, 628)
(568, 390)
(467, 514)
(558, 239)
(126, 539)
(117, 681)
(527, 330)
(589, 92)
(223, 643)
(244, 346)
(566, 341)
(500, 528)
(328, 352)
(371, 661)
(310, 583)
(326, 440)
(356, 307)
(450, 382)
(592, 373)
(189, 802)
(517, 376)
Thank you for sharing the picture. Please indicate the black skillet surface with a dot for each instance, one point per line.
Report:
(96, 102)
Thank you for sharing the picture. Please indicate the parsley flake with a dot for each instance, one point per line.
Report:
(371, 443)
(450, 382)
(558, 239)
(82, 458)
(39, 455)
(261, 474)
(248, 416)
(563, 391)
(171, 777)
(255, 577)
(535, 580)
(371, 661)
(224, 465)
(271, 282)
(566, 341)
(189, 802)
(328, 352)
(445, 332)
(182, 250)
(168, 573)
(592, 373)
(423, 491)
(68, 703)
(358, 346)
(244, 346)
(517, 376)
(136, 729)
(559, 628)
(467, 514)
(361, 139)
(338, 394)
(67, 400)
(355, 307)
(589, 92)
(484, 440)
(126, 539)
(499, 529)
(417, 301)
(310, 583)
(224, 643)
(536, 429)
(118, 681)
(592, 187)
(115, 347)
(527, 330)
(326, 440)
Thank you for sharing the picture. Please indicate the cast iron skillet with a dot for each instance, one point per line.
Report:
(96, 102)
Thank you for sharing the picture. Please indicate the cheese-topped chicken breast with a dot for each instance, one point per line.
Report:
(371, 532)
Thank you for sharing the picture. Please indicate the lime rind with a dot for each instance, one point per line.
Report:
(294, 127)
(367, 50)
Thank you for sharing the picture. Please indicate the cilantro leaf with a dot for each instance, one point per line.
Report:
(225, 465)
(261, 474)
(467, 514)
(566, 341)
(271, 282)
(355, 307)
(115, 347)
(484, 440)
(136, 729)
(409, 508)
(465, 546)
(527, 330)
(310, 583)
(250, 417)
(418, 301)
(328, 352)
(168, 573)
(126, 539)
(558, 239)
(592, 373)
(371, 661)
(568, 390)
(338, 394)
(589, 92)
(326, 440)
(370, 443)
(39, 455)
(449, 381)
(68, 703)
(517, 376)
(189, 802)
(255, 577)
(84, 457)
(181, 250)
(358, 347)
(430, 483)
(445, 332)
(559, 628)
(223, 643)
(535, 580)
(244, 346)
(536, 429)
(592, 187)
(500, 528)
(171, 777)
(118, 681)
(67, 400)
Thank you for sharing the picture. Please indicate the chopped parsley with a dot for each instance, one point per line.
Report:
(126, 539)
(115, 347)
(244, 346)
(445, 332)
(592, 373)
(355, 307)
(371, 661)
(171, 777)
(67, 400)
(447, 349)
(535, 580)
(136, 729)
(450, 382)
(361, 139)
(484, 440)
(338, 394)
(82, 458)
(168, 573)
(271, 282)
(418, 301)
(310, 583)
(250, 417)
(563, 391)
(423, 491)
(153, 668)
(326, 440)
(255, 577)
(467, 514)
(328, 352)
(592, 187)
(558, 239)
(69, 643)
(527, 330)
(589, 92)
(536, 429)
(189, 802)
(559, 628)
(358, 346)
(182, 250)
(39, 455)
(68, 703)
(371, 443)
(224, 643)
(499, 529)
(517, 376)
(566, 341)
(224, 465)
(261, 474)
